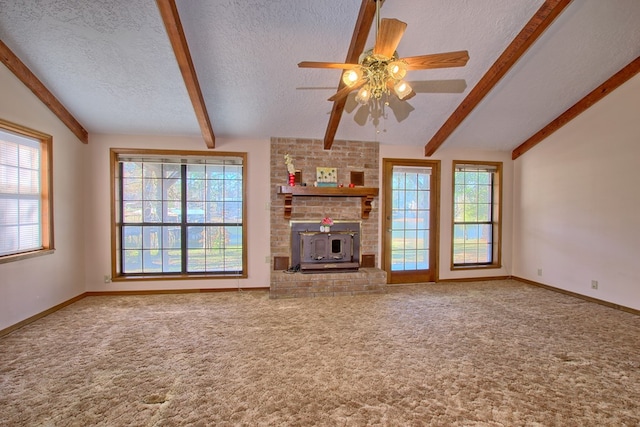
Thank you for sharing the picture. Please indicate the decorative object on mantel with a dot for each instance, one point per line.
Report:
(327, 177)
(325, 224)
(357, 178)
(290, 169)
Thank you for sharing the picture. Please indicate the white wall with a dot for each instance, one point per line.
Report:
(446, 157)
(577, 203)
(98, 201)
(31, 286)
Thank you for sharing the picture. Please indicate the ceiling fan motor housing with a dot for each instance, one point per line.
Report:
(381, 72)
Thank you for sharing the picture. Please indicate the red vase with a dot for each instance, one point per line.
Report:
(292, 180)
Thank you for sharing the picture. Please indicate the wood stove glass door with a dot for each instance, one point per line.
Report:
(411, 191)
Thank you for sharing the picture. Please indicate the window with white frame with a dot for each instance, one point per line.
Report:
(26, 199)
(179, 213)
(476, 214)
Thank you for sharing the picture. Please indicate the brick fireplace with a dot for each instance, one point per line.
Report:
(309, 205)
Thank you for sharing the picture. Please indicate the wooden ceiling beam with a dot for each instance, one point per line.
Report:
(358, 40)
(171, 19)
(585, 103)
(545, 15)
(24, 74)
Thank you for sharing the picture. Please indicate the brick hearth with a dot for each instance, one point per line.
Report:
(363, 281)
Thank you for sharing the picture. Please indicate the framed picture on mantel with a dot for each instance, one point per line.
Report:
(327, 177)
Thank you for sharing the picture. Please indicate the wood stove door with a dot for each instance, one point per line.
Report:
(410, 220)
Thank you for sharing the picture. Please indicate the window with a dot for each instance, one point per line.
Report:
(179, 214)
(26, 200)
(476, 214)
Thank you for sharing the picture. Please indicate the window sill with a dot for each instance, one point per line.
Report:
(475, 267)
(17, 257)
(178, 277)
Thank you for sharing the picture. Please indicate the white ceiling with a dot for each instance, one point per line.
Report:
(111, 64)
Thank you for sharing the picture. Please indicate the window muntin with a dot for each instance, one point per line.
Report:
(181, 215)
(25, 192)
(476, 209)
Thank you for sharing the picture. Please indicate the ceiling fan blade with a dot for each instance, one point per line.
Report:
(437, 60)
(408, 97)
(311, 64)
(346, 90)
(389, 35)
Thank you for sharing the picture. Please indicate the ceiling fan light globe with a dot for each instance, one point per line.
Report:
(363, 95)
(350, 77)
(402, 89)
(397, 70)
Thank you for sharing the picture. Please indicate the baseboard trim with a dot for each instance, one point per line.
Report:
(473, 279)
(171, 291)
(577, 295)
(25, 322)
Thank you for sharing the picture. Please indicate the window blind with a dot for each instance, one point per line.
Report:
(20, 187)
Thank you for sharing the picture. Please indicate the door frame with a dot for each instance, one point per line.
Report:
(434, 220)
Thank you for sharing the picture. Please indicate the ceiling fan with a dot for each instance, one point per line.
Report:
(380, 71)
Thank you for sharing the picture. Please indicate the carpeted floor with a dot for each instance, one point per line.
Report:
(497, 353)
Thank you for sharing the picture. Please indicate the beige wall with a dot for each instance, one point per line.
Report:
(98, 258)
(446, 157)
(577, 203)
(30, 286)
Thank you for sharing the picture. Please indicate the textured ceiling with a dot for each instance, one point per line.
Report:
(111, 64)
(588, 43)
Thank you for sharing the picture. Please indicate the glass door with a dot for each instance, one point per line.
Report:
(410, 220)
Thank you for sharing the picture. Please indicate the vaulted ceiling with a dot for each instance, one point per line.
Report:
(112, 65)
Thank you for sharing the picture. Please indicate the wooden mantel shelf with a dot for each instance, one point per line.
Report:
(367, 195)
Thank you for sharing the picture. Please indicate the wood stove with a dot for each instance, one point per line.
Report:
(314, 251)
